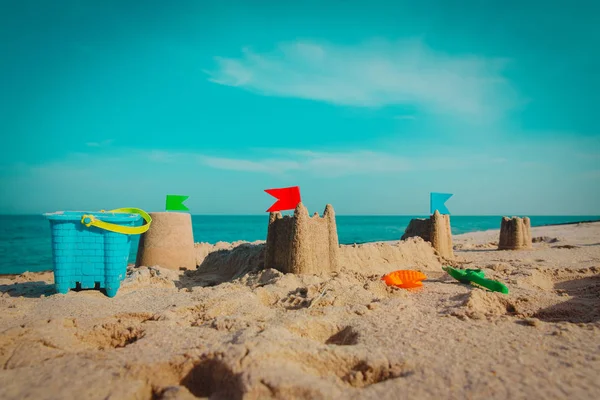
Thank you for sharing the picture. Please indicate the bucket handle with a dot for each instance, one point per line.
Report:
(89, 220)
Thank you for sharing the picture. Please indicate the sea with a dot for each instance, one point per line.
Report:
(25, 241)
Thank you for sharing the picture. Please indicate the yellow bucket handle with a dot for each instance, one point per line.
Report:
(89, 220)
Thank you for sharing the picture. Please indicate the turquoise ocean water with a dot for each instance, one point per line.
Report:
(25, 243)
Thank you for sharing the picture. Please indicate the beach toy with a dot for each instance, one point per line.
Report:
(91, 248)
(437, 201)
(476, 276)
(175, 203)
(169, 243)
(287, 198)
(405, 279)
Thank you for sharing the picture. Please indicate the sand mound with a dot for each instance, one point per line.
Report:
(475, 246)
(149, 276)
(532, 280)
(223, 262)
(204, 249)
(412, 253)
(481, 303)
(579, 296)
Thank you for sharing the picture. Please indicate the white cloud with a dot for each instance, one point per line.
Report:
(348, 163)
(266, 166)
(593, 174)
(104, 143)
(373, 74)
(162, 156)
(589, 156)
(328, 164)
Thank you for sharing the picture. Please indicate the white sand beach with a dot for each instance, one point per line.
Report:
(230, 330)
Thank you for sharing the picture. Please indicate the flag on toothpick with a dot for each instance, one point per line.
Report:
(175, 203)
(287, 198)
(436, 202)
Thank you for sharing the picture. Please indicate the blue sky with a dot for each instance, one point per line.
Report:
(366, 105)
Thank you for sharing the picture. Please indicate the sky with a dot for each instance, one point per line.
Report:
(367, 105)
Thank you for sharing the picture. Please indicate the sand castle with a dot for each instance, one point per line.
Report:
(169, 243)
(302, 244)
(515, 234)
(435, 230)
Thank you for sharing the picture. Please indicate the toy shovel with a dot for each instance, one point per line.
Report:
(476, 276)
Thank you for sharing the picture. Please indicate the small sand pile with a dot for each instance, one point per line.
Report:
(149, 276)
(413, 253)
(223, 262)
(481, 303)
(204, 249)
(227, 261)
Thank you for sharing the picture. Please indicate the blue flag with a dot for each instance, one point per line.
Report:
(436, 202)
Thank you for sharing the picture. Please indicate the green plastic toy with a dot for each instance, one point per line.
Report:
(476, 276)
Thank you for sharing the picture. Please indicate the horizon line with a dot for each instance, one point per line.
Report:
(348, 215)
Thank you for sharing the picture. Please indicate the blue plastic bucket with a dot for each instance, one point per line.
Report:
(87, 249)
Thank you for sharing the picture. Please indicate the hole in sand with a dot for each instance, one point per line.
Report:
(544, 239)
(345, 337)
(296, 299)
(213, 378)
(121, 333)
(363, 374)
(113, 336)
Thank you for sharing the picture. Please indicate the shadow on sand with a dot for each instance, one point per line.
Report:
(37, 289)
(584, 307)
(29, 289)
(225, 265)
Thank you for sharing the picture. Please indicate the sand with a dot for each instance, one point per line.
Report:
(232, 330)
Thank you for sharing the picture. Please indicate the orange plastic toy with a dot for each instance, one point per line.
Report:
(405, 279)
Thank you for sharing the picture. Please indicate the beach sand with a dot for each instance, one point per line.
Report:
(230, 330)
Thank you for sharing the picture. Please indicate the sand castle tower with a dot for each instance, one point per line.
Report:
(169, 243)
(441, 234)
(515, 234)
(435, 230)
(302, 244)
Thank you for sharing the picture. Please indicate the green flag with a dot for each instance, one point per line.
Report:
(175, 203)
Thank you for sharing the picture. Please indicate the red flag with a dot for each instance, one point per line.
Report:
(287, 198)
